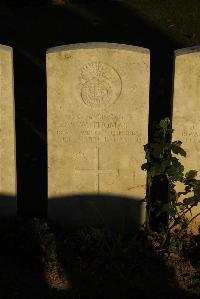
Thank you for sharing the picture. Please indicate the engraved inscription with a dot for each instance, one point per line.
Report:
(97, 171)
(100, 85)
(191, 133)
(99, 128)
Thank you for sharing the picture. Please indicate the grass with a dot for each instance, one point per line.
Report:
(40, 260)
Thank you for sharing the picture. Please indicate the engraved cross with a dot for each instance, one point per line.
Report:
(97, 171)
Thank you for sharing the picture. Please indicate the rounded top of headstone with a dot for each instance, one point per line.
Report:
(94, 45)
(188, 50)
(5, 48)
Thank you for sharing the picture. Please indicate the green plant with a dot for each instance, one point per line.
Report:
(46, 238)
(162, 162)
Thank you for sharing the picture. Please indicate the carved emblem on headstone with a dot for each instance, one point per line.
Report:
(100, 85)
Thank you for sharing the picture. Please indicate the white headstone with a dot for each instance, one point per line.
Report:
(98, 96)
(186, 111)
(7, 134)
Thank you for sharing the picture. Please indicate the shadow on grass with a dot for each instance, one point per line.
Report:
(100, 254)
(40, 260)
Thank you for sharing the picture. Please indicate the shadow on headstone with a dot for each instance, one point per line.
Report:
(113, 212)
(8, 205)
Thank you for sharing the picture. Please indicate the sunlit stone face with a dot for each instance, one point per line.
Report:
(7, 134)
(97, 119)
(186, 112)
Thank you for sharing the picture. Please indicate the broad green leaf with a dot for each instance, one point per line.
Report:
(148, 157)
(190, 175)
(196, 200)
(177, 143)
(147, 152)
(177, 149)
(197, 189)
(144, 166)
(189, 201)
(188, 189)
(179, 204)
(175, 171)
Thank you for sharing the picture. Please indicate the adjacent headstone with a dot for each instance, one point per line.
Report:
(7, 134)
(186, 112)
(98, 96)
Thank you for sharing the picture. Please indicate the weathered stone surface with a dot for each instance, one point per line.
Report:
(7, 134)
(98, 97)
(186, 111)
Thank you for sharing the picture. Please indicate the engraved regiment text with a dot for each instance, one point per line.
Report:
(98, 128)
